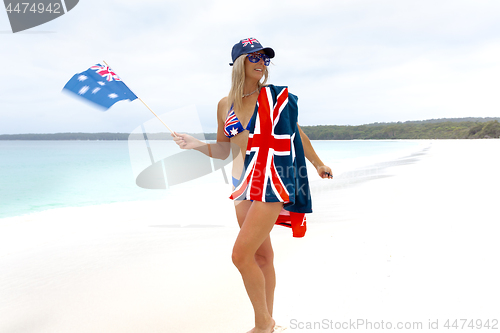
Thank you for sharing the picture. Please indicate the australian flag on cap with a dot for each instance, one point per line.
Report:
(249, 45)
(100, 85)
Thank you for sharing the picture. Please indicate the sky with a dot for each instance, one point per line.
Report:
(350, 62)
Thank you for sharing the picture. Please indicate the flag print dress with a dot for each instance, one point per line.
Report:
(275, 168)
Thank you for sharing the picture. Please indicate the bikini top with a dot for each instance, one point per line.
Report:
(232, 126)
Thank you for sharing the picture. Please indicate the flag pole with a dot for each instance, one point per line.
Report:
(148, 107)
(156, 115)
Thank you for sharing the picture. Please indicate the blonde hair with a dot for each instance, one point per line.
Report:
(235, 97)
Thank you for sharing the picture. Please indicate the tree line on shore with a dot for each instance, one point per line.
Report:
(408, 130)
(456, 128)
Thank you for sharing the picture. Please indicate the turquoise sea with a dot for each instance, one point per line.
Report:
(40, 175)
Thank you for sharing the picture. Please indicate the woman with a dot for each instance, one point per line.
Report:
(236, 118)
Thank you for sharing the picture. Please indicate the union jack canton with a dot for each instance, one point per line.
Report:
(99, 85)
(250, 41)
(275, 169)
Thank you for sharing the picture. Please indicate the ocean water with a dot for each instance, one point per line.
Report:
(39, 175)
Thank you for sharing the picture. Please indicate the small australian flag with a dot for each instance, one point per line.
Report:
(100, 85)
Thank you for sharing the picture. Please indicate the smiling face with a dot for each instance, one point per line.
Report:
(254, 71)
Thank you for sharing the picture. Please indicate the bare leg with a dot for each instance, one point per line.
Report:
(264, 256)
(254, 232)
(265, 259)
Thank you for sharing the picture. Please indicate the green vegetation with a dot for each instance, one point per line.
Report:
(407, 130)
(456, 128)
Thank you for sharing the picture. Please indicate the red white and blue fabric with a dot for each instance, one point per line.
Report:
(250, 41)
(105, 72)
(99, 85)
(275, 169)
(232, 125)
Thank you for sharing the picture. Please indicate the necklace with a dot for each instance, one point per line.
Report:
(253, 92)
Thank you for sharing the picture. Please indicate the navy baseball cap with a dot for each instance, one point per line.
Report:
(249, 45)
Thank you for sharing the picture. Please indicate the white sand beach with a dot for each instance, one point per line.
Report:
(418, 242)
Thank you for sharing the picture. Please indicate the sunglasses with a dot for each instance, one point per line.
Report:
(255, 57)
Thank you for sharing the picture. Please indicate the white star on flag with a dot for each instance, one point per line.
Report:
(83, 90)
(82, 78)
(113, 95)
(96, 90)
(101, 83)
(234, 131)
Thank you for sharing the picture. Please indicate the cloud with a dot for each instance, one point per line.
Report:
(349, 61)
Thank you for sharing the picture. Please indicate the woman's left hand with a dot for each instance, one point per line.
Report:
(325, 172)
(186, 141)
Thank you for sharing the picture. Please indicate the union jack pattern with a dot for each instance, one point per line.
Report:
(265, 145)
(275, 168)
(250, 41)
(106, 72)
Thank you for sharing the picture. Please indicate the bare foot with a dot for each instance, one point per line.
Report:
(267, 329)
